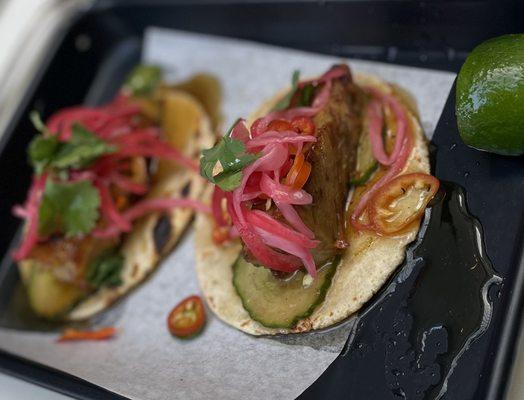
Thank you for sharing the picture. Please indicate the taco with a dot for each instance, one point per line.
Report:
(315, 199)
(114, 187)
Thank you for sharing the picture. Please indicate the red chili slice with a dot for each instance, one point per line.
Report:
(187, 318)
(401, 201)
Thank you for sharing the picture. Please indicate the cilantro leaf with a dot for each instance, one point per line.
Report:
(42, 148)
(143, 79)
(306, 96)
(366, 175)
(284, 102)
(232, 156)
(39, 125)
(105, 270)
(229, 181)
(41, 152)
(81, 150)
(68, 208)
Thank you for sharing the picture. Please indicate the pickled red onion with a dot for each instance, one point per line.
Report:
(31, 210)
(321, 99)
(260, 250)
(127, 184)
(374, 115)
(283, 246)
(148, 206)
(251, 194)
(109, 209)
(275, 155)
(115, 124)
(146, 143)
(263, 220)
(337, 71)
(19, 211)
(94, 119)
(392, 172)
(269, 137)
(290, 247)
(283, 193)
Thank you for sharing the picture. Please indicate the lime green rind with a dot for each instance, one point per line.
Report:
(490, 96)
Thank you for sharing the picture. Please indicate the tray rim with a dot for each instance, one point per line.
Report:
(52, 378)
(68, 384)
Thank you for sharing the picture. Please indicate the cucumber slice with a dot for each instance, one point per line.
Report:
(277, 303)
(50, 298)
(366, 163)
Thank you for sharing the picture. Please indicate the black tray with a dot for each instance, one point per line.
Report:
(434, 35)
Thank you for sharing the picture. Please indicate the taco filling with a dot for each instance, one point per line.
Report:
(311, 179)
(98, 171)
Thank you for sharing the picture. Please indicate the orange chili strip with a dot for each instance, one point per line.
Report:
(295, 169)
(303, 176)
(299, 172)
(72, 334)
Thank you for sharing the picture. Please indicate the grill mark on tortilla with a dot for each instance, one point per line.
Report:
(185, 190)
(134, 271)
(162, 232)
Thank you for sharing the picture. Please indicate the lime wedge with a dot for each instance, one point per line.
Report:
(490, 96)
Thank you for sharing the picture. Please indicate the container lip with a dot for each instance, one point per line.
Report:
(35, 49)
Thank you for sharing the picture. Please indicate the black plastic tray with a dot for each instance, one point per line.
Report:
(433, 34)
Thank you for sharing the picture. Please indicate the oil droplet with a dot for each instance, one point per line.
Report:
(467, 302)
(399, 393)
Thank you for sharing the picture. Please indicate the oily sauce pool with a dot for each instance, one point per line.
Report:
(406, 343)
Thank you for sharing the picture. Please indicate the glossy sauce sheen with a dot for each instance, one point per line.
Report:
(410, 348)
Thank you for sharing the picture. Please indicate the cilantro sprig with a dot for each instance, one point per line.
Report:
(286, 100)
(106, 270)
(46, 151)
(306, 96)
(143, 79)
(232, 156)
(68, 208)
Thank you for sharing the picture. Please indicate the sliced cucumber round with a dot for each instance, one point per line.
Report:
(366, 162)
(279, 303)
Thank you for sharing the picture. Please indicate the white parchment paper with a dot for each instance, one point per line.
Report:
(144, 361)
